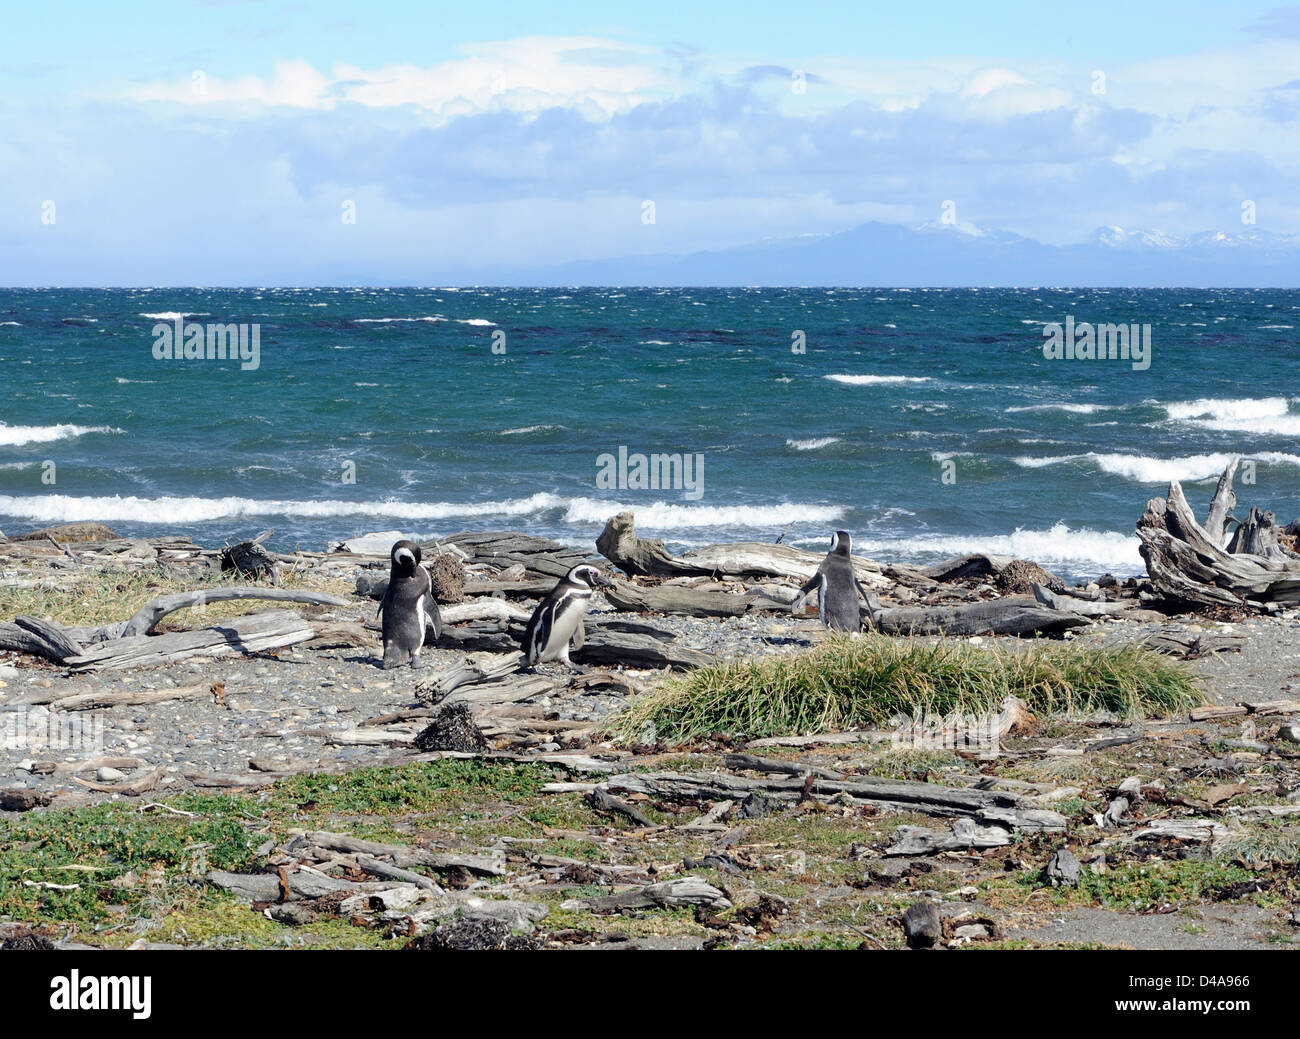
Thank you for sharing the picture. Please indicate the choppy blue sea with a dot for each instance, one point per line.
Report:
(928, 423)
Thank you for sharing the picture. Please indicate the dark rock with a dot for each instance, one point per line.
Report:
(453, 728)
(21, 939)
(755, 806)
(19, 800)
(763, 915)
(1062, 869)
(292, 914)
(922, 926)
(473, 933)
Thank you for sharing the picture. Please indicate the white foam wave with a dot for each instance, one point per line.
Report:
(474, 321)
(1080, 548)
(62, 508)
(1074, 409)
(16, 436)
(527, 429)
(66, 508)
(173, 315)
(813, 444)
(665, 516)
(1247, 415)
(1144, 469)
(874, 380)
(391, 320)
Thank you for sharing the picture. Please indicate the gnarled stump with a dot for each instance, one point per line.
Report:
(1188, 564)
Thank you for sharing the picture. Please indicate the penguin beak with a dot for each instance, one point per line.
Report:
(602, 581)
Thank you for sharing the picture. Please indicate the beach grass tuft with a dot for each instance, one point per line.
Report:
(853, 683)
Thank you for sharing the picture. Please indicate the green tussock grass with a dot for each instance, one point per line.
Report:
(865, 682)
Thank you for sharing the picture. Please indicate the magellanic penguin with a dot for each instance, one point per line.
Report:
(408, 607)
(557, 621)
(837, 588)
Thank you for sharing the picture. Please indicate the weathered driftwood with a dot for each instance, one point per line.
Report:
(1009, 616)
(1192, 644)
(433, 688)
(254, 633)
(637, 556)
(540, 557)
(976, 565)
(147, 617)
(132, 789)
(299, 883)
(607, 803)
(492, 864)
(929, 798)
(669, 894)
(61, 644)
(753, 763)
(1221, 505)
(1188, 564)
(602, 645)
(690, 602)
(1257, 536)
(1079, 606)
(16, 639)
(129, 697)
(966, 835)
(379, 868)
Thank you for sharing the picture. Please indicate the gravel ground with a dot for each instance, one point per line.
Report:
(277, 708)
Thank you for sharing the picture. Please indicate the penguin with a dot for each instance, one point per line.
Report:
(837, 588)
(557, 621)
(408, 607)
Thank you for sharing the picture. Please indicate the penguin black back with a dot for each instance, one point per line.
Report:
(408, 607)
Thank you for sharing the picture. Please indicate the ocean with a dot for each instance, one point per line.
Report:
(928, 423)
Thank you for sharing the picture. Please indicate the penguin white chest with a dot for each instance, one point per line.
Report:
(568, 615)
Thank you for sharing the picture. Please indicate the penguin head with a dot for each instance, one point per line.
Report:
(588, 577)
(405, 557)
(841, 543)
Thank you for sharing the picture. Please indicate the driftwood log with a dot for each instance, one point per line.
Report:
(540, 557)
(987, 806)
(1077, 605)
(638, 556)
(1010, 616)
(148, 616)
(603, 644)
(1189, 565)
(691, 602)
(254, 633)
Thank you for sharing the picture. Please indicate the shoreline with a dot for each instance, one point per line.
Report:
(252, 727)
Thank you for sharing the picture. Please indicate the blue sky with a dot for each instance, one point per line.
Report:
(219, 141)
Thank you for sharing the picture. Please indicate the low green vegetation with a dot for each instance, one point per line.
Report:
(102, 596)
(850, 683)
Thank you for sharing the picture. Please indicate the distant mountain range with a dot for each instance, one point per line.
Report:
(959, 254)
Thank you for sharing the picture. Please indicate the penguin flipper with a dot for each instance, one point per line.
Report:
(578, 636)
(432, 615)
(537, 632)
